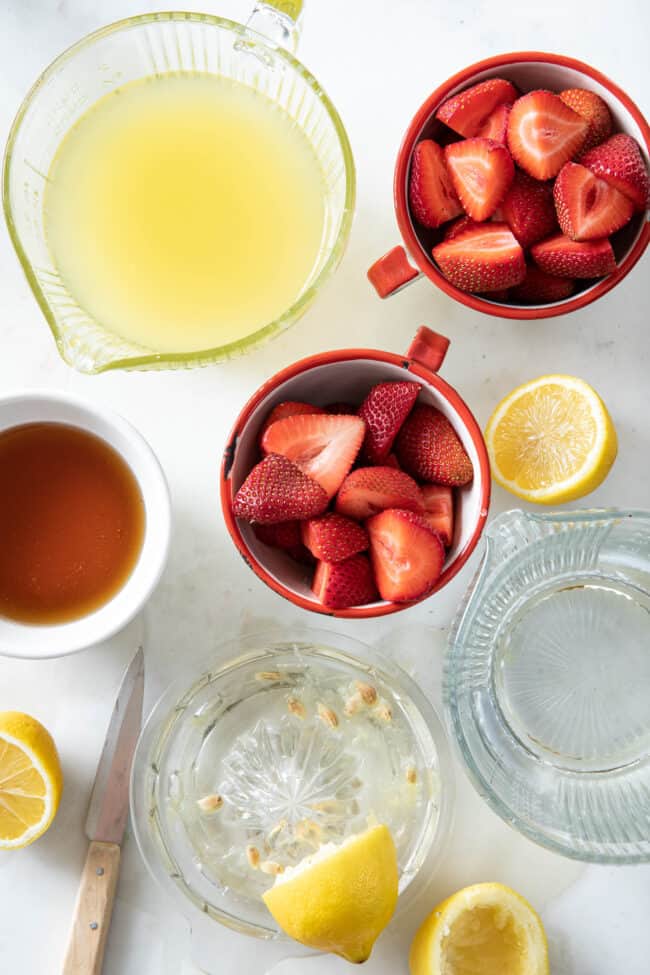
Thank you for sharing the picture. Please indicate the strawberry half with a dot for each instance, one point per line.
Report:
(459, 227)
(469, 111)
(588, 207)
(592, 108)
(529, 210)
(620, 163)
(284, 535)
(428, 447)
(439, 510)
(333, 537)
(496, 125)
(368, 490)
(481, 172)
(539, 288)
(544, 133)
(574, 259)
(343, 584)
(431, 193)
(288, 408)
(324, 447)
(407, 555)
(488, 258)
(276, 490)
(384, 410)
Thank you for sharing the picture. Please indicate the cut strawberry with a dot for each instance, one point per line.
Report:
(428, 447)
(574, 259)
(407, 555)
(431, 193)
(592, 108)
(588, 207)
(341, 409)
(496, 125)
(288, 408)
(276, 490)
(439, 510)
(544, 133)
(468, 111)
(343, 584)
(286, 536)
(620, 163)
(528, 209)
(324, 447)
(459, 227)
(539, 288)
(368, 490)
(485, 259)
(481, 172)
(384, 410)
(333, 537)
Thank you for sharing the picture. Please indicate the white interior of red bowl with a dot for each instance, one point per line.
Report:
(528, 76)
(347, 381)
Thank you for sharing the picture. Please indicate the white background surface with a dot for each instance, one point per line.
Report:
(378, 61)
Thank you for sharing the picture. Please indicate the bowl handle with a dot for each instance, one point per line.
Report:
(392, 272)
(428, 348)
(278, 20)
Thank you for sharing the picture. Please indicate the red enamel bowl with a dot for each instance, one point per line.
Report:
(346, 375)
(528, 70)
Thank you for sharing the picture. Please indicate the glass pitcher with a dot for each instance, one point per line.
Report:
(547, 680)
(254, 55)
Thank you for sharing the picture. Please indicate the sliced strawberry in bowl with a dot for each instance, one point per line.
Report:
(407, 555)
(333, 537)
(288, 408)
(544, 133)
(369, 490)
(384, 410)
(340, 585)
(488, 258)
(285, 535)
(439, 510)
(324, 447)
(481, 172)
(588, 207)
(574, 259)
(592, 108)
(429, 448)
(431, 194)
(458, 227)
(496, 125)
(277, 490)
(540, 288)
(620, 163)
(528, 209)
(467, 112)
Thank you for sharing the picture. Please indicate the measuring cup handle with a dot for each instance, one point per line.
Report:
(392, 272)
(429, 348)
(278, 20)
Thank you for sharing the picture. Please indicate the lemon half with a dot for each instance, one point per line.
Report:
(486, 928)
(30, 779)
(341, 898)
(551, 440)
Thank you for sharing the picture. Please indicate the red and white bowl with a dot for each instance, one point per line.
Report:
(527, 70)
(347, 375)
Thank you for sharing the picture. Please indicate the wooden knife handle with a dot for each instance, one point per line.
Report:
(92, 913)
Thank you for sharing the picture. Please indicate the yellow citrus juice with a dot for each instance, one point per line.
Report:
(184, 212)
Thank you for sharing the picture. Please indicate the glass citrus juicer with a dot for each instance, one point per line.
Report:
(277, 749)
(207, 266)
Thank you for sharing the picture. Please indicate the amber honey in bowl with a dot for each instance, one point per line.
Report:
(72, 523)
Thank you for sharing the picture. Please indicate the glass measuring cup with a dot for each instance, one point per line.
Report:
(254, 55)
(547, 680)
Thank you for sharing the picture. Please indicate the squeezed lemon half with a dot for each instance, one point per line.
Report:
(341, 898)
(551, 440)
(487, 929)
(30, 779)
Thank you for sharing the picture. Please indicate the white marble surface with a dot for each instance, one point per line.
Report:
(378, 60)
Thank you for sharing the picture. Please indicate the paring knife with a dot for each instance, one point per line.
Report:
(107, 815)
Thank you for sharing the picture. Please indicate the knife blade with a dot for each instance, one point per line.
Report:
(107, 813)
(109, 801)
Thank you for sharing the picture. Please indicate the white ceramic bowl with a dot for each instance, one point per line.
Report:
(34, 641)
